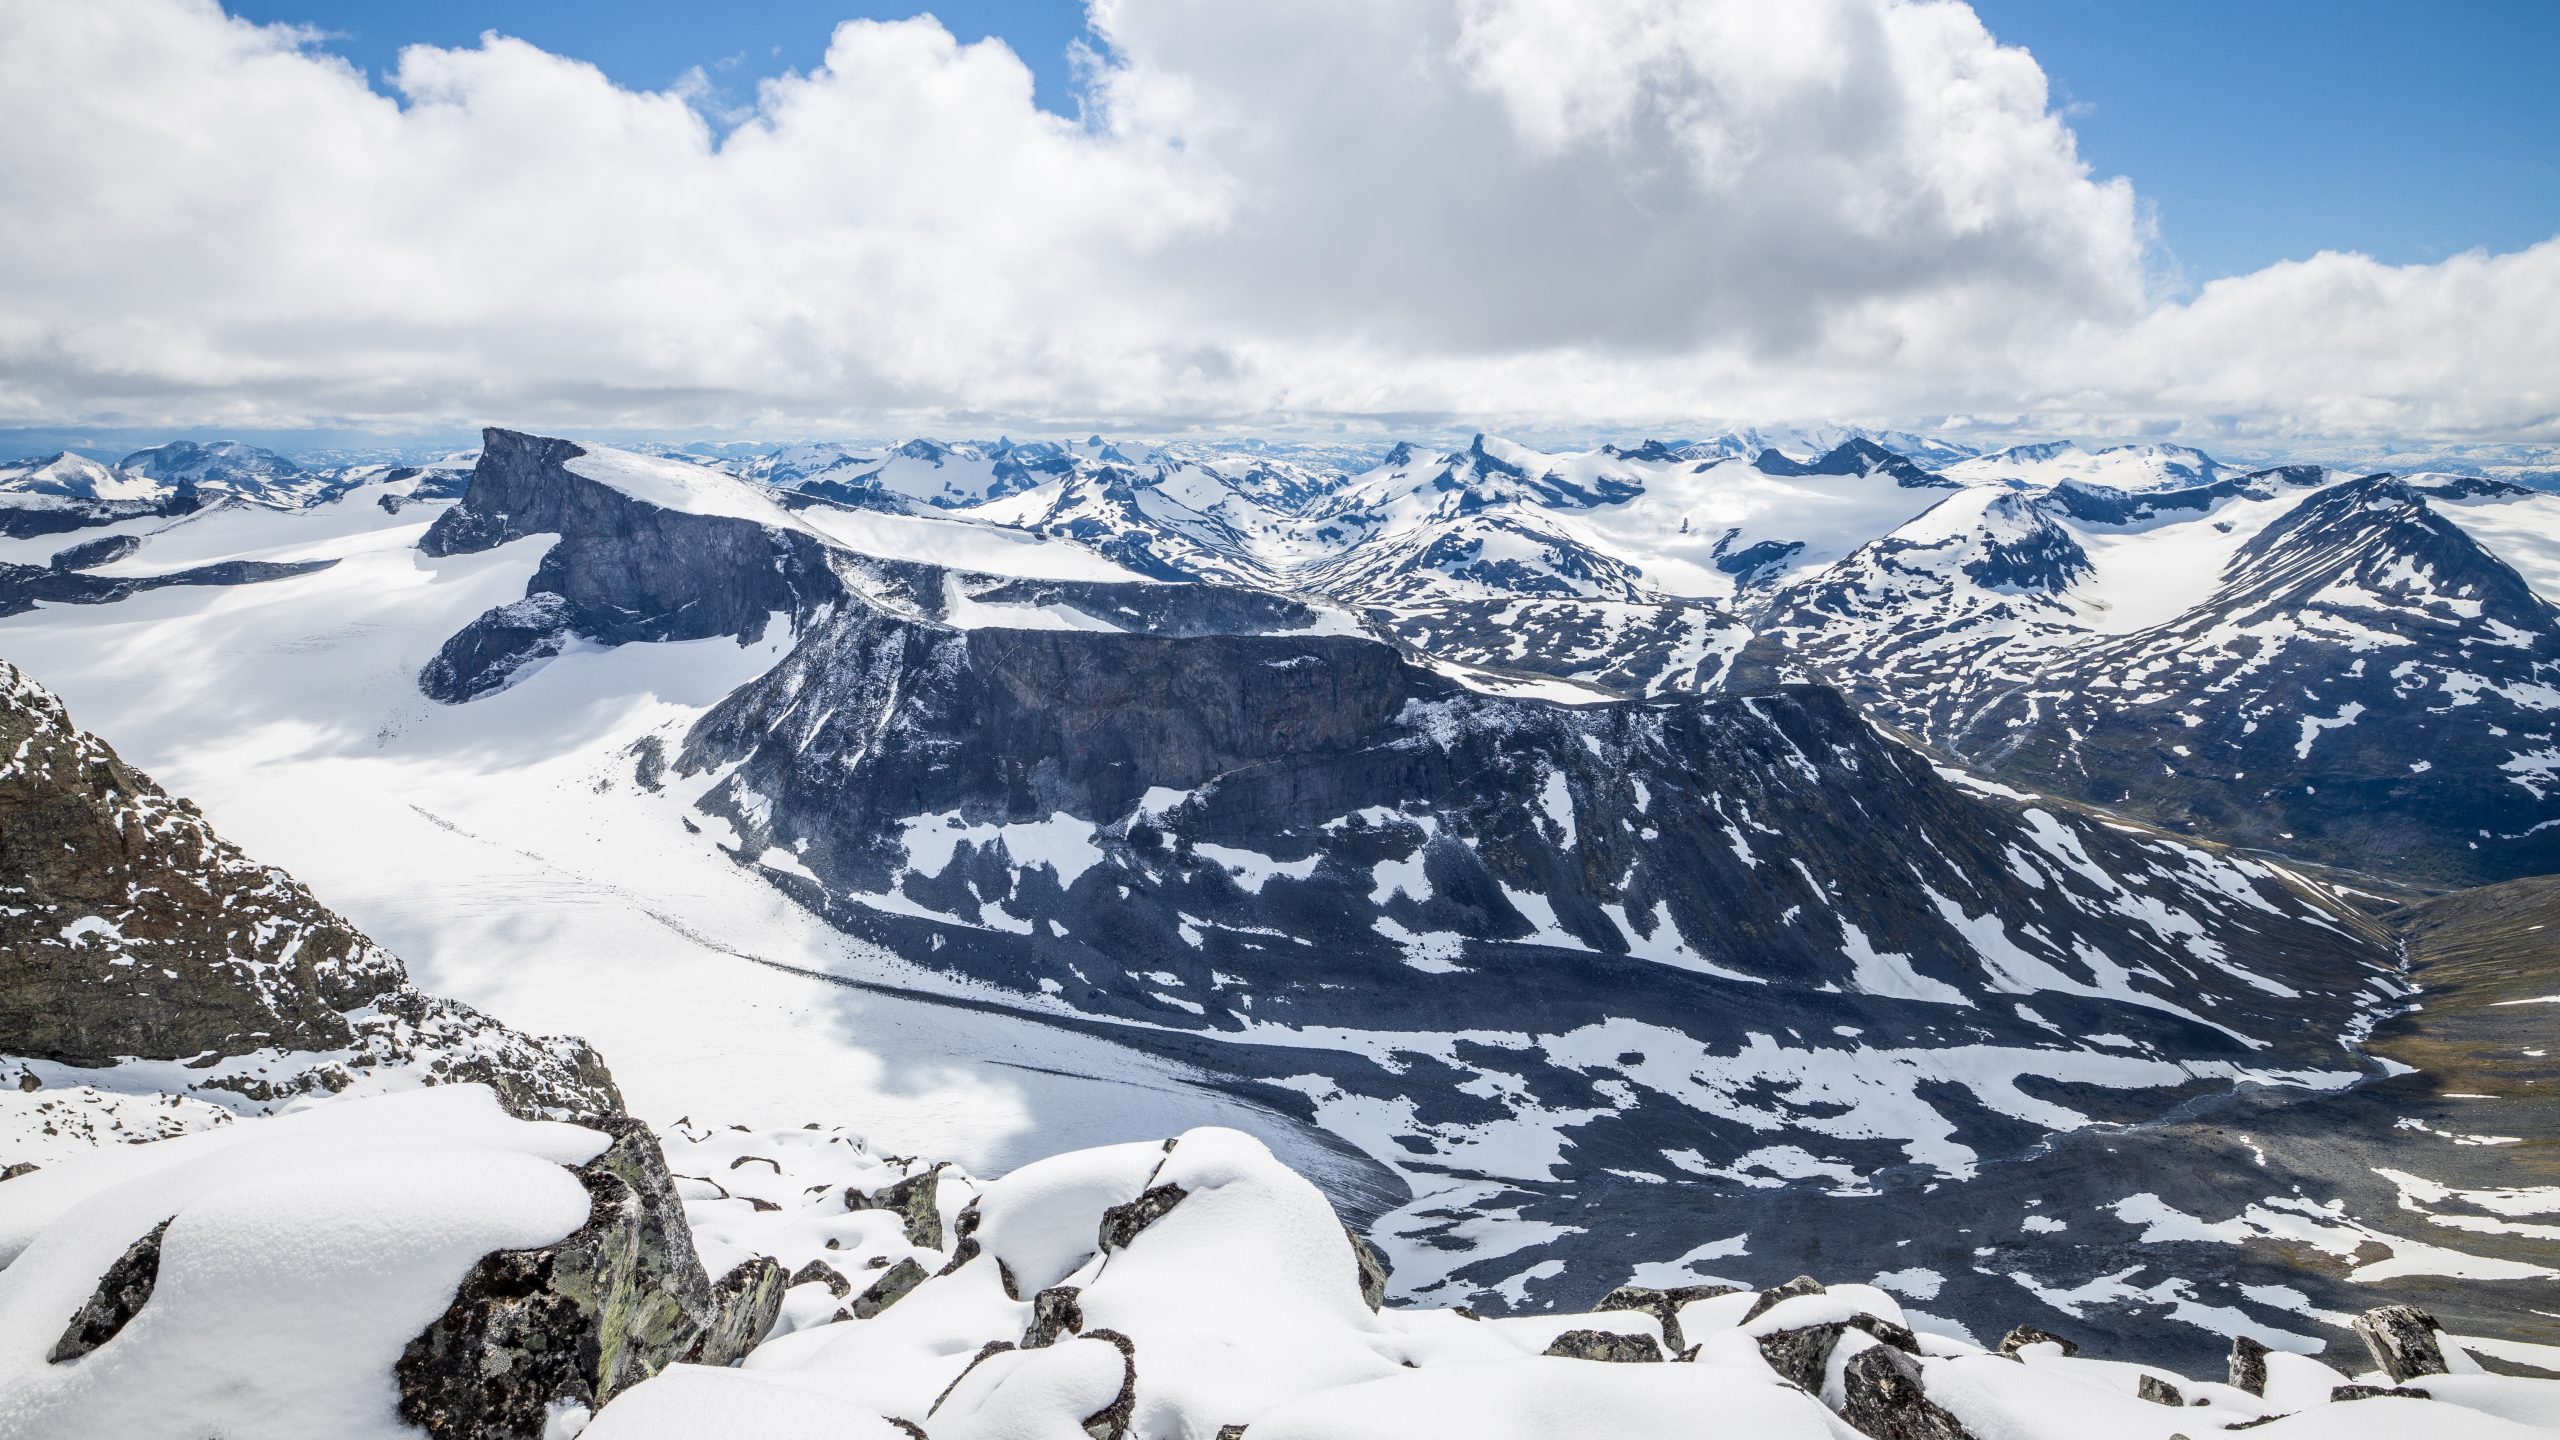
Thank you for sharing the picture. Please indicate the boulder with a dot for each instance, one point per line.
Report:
(1883, 1396)
(1771, 1297)
(1122, 1223)
(1373, 1267)
(121, 1293)
(914, 1199)
(583, 1319)
(2248, 1365)
(2026, 1335)
(1054, 1313)
(892, 1287)
(2403, 1341)
(1663, 1305)
(819, 1272)
(1604, 1345)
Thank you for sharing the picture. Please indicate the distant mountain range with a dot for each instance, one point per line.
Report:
(1540, 836)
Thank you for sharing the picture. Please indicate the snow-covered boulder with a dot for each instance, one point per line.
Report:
(1200, 1289)
(360, 1268)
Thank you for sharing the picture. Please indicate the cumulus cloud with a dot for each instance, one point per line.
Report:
(1551, 211)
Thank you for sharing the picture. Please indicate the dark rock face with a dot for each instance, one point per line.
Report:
(1854, 457)
(1804, 1353)
(1624, 649)
(1371, 1265)
(110, 881)
(588, 1317)
(24, 516)
(2157, 1391)
(129, 928)
(1606, 1345)
(1776, 1295)
(819, 1272)
(623, 569)
(877, 732)
(1111, 1422)
(89, 554)
(120, 1296)
(486, 654)
(1799, 1355)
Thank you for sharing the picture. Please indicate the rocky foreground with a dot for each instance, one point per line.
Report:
(394, 1264)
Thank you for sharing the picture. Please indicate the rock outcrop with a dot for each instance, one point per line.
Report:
(580, 1321)
(622, 570)
(129, 929)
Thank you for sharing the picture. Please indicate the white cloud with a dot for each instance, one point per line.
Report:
(1558, 211)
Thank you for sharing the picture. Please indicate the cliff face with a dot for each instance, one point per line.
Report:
(129, 929)
(622, 570)
(1228, 831)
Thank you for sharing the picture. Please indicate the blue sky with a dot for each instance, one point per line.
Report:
(2261, 131)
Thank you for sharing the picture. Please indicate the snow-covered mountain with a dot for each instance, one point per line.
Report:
(77, 477)
(1506, 836)
(228, 467)
(2113, 467)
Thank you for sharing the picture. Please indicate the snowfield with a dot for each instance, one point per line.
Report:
(1193, 1286)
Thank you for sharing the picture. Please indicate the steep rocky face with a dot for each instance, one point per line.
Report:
(622, 570)
(89, 554)
(2367, 686)
(131, 930)
(910, 761)
(875, 719)
(1595, 959)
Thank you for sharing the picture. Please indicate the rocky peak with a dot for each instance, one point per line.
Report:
(626, 566)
